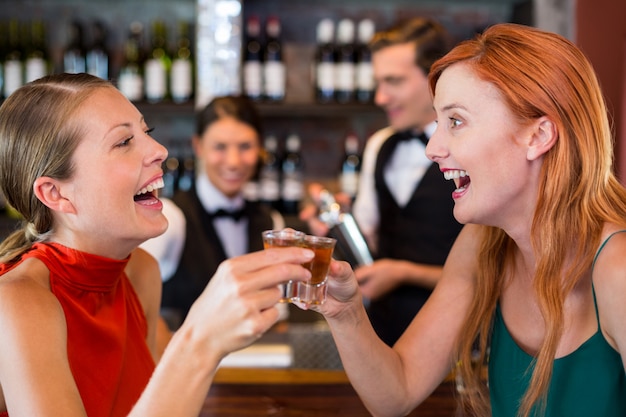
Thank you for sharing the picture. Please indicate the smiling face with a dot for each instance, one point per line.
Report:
(402, 87)
(117, 169)
(482, 147)
(229, 151)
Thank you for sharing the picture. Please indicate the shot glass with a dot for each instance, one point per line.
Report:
(283, 238)
(313, 291)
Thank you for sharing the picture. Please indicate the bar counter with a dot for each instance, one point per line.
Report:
(252, 392)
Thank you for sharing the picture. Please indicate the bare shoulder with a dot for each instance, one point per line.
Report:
(27, 287)
(609, 282)
(143, 270)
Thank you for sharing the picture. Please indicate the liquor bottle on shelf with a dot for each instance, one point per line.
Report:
(269, 175)
(253, 60)
(187, 170)
(74, 57)
(130, 81)
(292, 186)
(13, 60)
(170, 174)
(325, 62)
(364, 72)
(181, 76)
(346, 62)
(350, 167)
(157, 65)
(274, 74)
(37, 62)
(98, 62)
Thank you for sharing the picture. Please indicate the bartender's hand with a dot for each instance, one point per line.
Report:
(380, 277)
(239, 303)
(310, 212)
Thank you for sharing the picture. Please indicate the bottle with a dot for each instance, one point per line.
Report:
(325, 62)
(364, 72)
(97, 54)
(292, 190)
(130, 81)
(13, 60)
(269, 175)
(37, 62)
(346, 62)
(252, 60)
(187, 170)
(4, 35)
(274, 74)
(181, 76)
(170, 175)
(157, 65)
(74, 59)
(350, 167)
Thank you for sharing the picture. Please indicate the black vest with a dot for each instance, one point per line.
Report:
(423, 231)
(203, 251)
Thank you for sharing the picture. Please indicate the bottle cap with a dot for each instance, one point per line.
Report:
(345, 31)
(366, 30)
(325, 29)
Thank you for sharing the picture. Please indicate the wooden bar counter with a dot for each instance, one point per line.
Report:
(249, 392)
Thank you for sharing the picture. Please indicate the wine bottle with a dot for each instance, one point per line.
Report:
(74, 57)
(292, 186)
(13, 60)
(187, 170)
(170, 175)
(364, 72)
(325, 62)
(269, 175)
(157, 65)
(252, 60)
(98, 62)
(350, 167)
(130, 81)
(181, 77)
(37, 61)
(274, 74)
(346, 62)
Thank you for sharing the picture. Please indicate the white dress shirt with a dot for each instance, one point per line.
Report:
(402, 174)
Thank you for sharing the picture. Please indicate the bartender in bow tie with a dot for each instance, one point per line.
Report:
(212, 221)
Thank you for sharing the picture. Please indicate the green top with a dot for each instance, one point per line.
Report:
(588, 382)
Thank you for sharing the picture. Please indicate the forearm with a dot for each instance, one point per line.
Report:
(421, 274)
(374, 369)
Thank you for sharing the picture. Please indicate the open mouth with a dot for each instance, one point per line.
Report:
(149, 192)
(460, 177)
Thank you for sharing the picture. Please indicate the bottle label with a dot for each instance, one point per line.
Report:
(365, 76)
(293, 189)
(349, 183)
(326, 76)
(345, 76)
(181, 80)
(269, 187)
(156, 80)
(253, 78)
(12, 76)
(274, 79)
(131, 85)
(35, 69)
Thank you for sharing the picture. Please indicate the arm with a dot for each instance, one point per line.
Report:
(384, 275)
(393, 381)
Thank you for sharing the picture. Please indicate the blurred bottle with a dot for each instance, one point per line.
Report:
(346, 62)
(37, 61)
(350, 167)
(13, 60)
(274, 74)
(130, 81)
(157, 65)
(364, 72)
(98, 62)
(74, 57)
(269, 175)
(292, 187)
(325, 62)
(252, 60)
(182, 74)
(170, 174)
(187, 170)
(251, 191)
(4, 35)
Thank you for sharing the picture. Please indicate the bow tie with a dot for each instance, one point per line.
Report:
(236, 215)
(409, 135)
